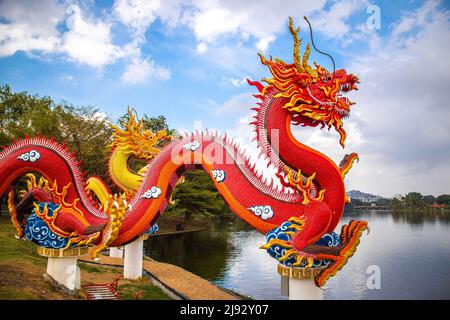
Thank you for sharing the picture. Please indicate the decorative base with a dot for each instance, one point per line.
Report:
(133, 260)
(62, 269)
(298, 273)
(71, 252)
(298, 283)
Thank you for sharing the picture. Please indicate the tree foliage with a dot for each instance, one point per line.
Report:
(81, 128)
(443, 199)
(429, 199)
(413, 200)
(198, 196)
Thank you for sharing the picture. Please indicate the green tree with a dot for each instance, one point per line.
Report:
(397, 204)
(383, 202)
(197, 196)
(429, 199)
(80, 128)
(413, 200)
(443, 199)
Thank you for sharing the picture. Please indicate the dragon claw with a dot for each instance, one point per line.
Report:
(288, 254)
(116, 207)
(310, 262)
(276, 242)
(298, 261)
(305, 188)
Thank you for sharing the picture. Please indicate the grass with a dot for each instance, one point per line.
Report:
(13, 249)
(21, 270)
(12, 293)
(129, 291)
(89, 268)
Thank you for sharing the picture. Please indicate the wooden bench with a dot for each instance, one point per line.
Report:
(105, 291)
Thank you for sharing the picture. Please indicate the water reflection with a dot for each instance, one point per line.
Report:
(412, 250)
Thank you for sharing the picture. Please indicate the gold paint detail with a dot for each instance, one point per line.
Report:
(116, 208)
(312, 72)
(298, 273)
(297, 44)
(71, 252)
(180, 181)
(138, 141)
(13, 215)
(304, 188)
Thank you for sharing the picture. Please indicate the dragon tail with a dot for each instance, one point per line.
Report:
(339, 255)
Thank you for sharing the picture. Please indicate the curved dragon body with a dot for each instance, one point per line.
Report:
(312, 196)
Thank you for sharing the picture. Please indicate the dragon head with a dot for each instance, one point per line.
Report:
(314, 95)
(135, 139)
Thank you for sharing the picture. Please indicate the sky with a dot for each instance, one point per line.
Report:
(188, 61)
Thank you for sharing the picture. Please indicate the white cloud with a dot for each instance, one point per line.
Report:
(263, 43)
(233, 58)
(139, 71)
(201, 48)
(89, 39)
(235, 82)
(259, 19)
(33, 27)
(29, 26)
(211, 23)
(66, 77)
(137, 14)
(334, 22)
(238, 103)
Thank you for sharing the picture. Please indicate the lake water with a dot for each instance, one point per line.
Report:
(412, 251)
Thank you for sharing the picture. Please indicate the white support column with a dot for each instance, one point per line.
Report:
(298, 283)
(62, 267)
(65, 271)
(116, 252)
(304, 289)
(132, 268)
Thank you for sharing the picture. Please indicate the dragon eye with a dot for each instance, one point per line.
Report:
(329, 78)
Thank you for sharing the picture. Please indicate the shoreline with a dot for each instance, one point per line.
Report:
(181, 282)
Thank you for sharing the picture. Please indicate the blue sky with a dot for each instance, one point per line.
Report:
(188, 61)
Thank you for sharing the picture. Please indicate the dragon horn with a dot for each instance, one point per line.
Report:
(312, 72)
(297, 43)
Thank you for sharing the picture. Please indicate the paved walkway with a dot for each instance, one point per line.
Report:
(179, 280)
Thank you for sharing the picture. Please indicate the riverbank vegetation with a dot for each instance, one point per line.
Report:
(412, 201)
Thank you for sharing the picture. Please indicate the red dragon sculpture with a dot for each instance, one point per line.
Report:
(311, 200)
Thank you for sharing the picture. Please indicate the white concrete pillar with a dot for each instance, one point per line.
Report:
(132, 268)
(304, 289)
(298, 283)
(116, 252)
(65, 271)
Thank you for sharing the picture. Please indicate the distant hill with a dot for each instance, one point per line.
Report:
(362, 196)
